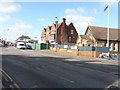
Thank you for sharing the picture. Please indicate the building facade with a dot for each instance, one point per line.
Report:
(60, 33)
(43, 36)
(97, 36)
(25, 39)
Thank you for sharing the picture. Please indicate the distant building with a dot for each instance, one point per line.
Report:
(66, 34)
(84, 40)
(25, 39)
(97, 36)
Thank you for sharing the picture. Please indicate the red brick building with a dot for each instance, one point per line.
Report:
(66, 34)
(53, 34)
(48, 32)
(43, 36)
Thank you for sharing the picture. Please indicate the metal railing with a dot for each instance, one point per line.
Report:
(82, 48)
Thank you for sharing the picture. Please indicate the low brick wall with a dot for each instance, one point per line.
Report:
(97, 54)
(89, 53)
(58, 49)
(64, 50)
(54, 49)
(75, 52)
(80, 53)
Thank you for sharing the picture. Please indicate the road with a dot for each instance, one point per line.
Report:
(37, 69)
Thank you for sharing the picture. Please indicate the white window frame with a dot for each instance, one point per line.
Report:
(72, 32)
(70, 38)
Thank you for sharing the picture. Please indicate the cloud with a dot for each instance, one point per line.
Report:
(74, 11)
(7, 7)
(41, 20)
(20, 26)
(4, 18)
(79, 20)
(95, 11)
(111, 2)
(7, 0)
(70, 10)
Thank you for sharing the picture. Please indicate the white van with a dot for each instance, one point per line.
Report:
(21, 45)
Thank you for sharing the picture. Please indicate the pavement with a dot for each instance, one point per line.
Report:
(79, 58)
(48, 69)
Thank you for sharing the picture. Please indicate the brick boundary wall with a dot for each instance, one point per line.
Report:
(80, 53)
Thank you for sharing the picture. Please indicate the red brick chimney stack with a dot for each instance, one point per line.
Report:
(64, 20)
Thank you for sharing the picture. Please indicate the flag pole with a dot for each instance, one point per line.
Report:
(108, 33)
(108, 29)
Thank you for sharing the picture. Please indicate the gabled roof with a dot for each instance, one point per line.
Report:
(71, 24)
(101, 33)
(58, 25)
(86, 37)
(24, 37)
(44, 29)
(49, 27)
(53, 25)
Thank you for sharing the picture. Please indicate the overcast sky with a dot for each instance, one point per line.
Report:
(29, 18)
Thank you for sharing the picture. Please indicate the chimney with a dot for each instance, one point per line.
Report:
(64, 20)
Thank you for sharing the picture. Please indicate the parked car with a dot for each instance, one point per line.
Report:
(28, 47)
(1, 45)
(21, 45)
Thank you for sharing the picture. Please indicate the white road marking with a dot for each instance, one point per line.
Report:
(35, 86)
(71, 60)
(114, 84)
(95, 62)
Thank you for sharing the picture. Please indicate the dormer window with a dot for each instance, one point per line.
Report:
(71, 31)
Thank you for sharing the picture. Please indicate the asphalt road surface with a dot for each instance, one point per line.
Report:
(31, 69)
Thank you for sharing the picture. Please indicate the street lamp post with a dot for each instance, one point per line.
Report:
(5, 36)
(35, 42)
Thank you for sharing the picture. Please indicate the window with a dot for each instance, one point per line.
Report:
(21, 44)
(42, 39)
(53, 30)
(47, 33)
(69, 39)
(21, 39)
(52, 37)
(71, 31)
(114, 46)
